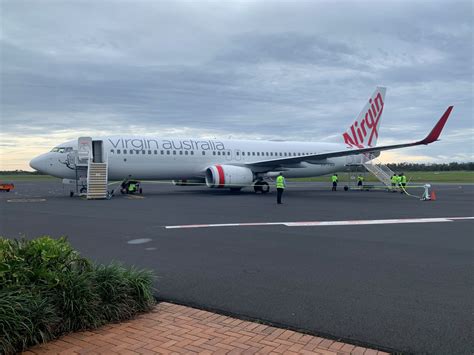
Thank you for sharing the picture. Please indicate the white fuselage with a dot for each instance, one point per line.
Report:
(152, 158)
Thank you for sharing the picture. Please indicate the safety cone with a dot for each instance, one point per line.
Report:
(433, 195)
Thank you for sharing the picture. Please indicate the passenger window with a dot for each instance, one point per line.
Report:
(125, 151)
(218, 153)
(112, 151)
(258, 154)
(162, 152)
(203, 152)
(237, 153)
(149, 152)
(192, 152)
(253, 153)
(131, 151)
(180, 152)
(243, 153)
(155, 152)
(168, 152)
(228, 153)
(174, 152)
(118, 151)
(267, 154)
(213, 153)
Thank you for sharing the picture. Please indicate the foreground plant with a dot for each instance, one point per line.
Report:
(47, 289)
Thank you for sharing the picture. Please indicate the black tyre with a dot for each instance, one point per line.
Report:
(83, 190)
(265, 188)
(71, 193)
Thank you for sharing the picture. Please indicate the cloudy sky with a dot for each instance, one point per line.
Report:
(295, 70)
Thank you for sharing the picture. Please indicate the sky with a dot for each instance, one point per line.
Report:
(291, 70)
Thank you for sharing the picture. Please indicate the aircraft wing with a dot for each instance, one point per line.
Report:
(321, 157)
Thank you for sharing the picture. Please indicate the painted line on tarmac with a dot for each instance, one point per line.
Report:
(326, 223)
(27, 200)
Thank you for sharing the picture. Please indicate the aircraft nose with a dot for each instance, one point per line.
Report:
(38, 163)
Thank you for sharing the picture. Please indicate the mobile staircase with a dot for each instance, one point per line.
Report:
(382, 172)
(97, 181)
(91, 169)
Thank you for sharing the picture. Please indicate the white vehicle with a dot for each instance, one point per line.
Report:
(230, 164)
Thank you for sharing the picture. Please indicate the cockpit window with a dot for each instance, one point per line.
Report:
(61, 149)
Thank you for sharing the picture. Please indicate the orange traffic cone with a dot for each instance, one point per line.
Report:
(433, 196)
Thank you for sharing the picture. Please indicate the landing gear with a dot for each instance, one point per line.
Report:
(261, 186)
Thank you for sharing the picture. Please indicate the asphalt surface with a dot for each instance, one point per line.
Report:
(403, 287)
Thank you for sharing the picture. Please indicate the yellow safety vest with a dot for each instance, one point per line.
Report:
(403, 179)
(360, 178)
(280, 182)
(334, 178)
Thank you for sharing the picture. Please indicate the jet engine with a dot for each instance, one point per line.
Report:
(230, 176)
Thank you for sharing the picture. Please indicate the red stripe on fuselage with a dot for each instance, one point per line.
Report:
(220, 171)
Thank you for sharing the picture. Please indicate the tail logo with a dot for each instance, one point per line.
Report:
(356, 135)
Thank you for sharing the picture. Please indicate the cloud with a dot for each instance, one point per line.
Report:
(248, 69)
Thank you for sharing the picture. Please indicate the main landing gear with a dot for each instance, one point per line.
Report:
(261, 186)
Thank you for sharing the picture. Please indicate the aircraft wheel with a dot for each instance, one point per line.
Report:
(257, 187)
(265, 187)
(83, 190)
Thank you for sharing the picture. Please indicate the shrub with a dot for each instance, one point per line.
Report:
(47, 289)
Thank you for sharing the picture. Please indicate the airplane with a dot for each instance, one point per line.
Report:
(233, 164)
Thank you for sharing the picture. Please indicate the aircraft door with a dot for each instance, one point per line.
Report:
(97, 152)
(228, 154)
(237, 154)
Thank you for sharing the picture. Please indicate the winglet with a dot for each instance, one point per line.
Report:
(436, 131)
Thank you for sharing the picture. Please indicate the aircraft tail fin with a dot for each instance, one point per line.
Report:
(363, 132)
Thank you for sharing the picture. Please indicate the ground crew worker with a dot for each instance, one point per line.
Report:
(360, 181)
(394, 180)
(334, 182)
(131, 187)
(280, 185)
(403, 182)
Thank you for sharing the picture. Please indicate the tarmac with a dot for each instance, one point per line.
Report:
(404, 285)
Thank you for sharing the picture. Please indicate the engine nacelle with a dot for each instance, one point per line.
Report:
(228, 176)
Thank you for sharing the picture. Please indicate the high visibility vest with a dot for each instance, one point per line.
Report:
(360, 178)
(394, 179)
(403, 179)
(334, 178)
(280, 182)
(131, 187)
(399, 179)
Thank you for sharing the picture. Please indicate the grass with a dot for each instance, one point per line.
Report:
(24, 177)
(412, 176)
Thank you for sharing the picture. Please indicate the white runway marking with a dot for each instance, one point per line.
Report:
(326, 223)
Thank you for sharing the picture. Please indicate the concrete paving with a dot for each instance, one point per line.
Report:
(403, 287)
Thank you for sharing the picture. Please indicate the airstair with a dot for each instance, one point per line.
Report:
(380, 171)
(91, 169)
(97, 181)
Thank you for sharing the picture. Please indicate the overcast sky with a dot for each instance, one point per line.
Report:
(295, 70)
